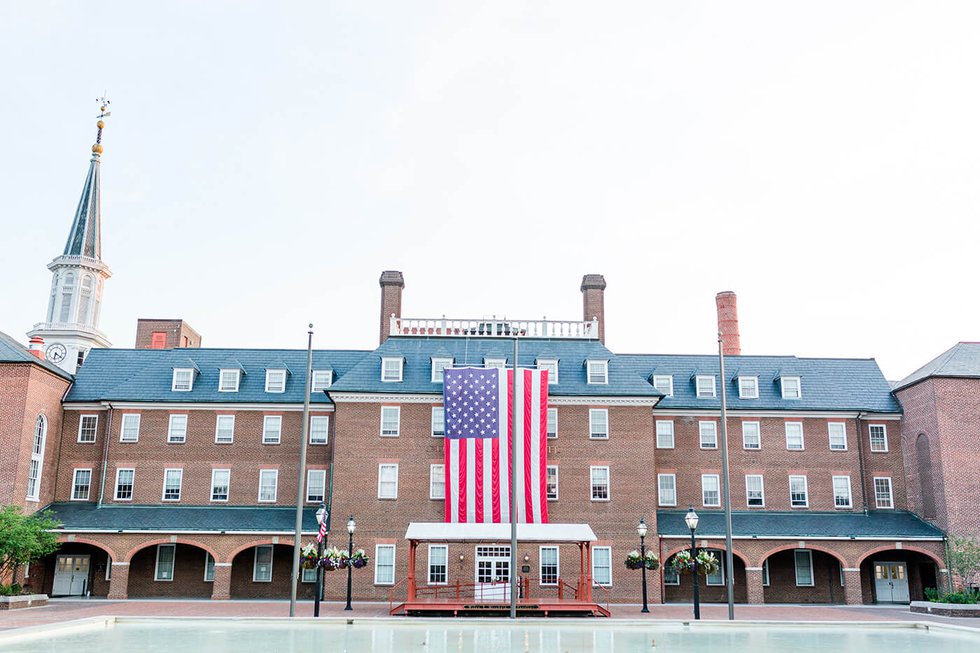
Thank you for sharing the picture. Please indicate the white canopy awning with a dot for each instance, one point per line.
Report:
(442, 532)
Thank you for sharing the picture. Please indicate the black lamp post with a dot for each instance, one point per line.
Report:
(641, 530)
(691, 518)
(321, 514)
(350, 550)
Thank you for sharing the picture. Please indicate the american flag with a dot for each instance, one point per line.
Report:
(478, 426)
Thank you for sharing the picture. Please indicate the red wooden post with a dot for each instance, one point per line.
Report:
(588, 573)
(412, 549)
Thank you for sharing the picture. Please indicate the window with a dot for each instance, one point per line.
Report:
(37, 458)
(765, 573)
(755, 494)
(705, 386)
(599, 477)
(883, 492)
(81, 484)
(177, 431)
(164, 570)
(262, 567)
(316, 484)
(388, 481)
(391, 369)
(272, 429)
(717, 578)
(67, 290)
(665, 434)
(384, 564)
(838, 436)
(598, 423)
(598, 372)
(552, 426)
(664, 383)
(551, 365)
(172, 479)
(548, 565)
(439, 365)
(319, 429)
(495, 363)
(309, 575)
(183, 380)
(124, 484)
(602, 565)
(797, 492)
(438, 564)
(666, 489)
(751, 435)
(390, 421)
(671, 577)
(129, 431)
(220, 480)
(208, 568)
(551, 483)
(748, 387)
(710, 490)
(437, 481)
(791, 387)
(794, 436)
(268, 485)
(87, 427)
(879, 438)
(158, 340)
(709, 435)
(842, 491)
(275, 381)
(438, 422)
(224, 429)
(228, 380)
(804, 567)
(322, 379)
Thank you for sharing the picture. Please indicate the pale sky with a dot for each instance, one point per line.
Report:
(266, 161)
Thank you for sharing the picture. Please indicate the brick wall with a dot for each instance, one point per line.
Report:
(178, 333)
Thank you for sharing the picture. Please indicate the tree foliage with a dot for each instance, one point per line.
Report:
(24, 537)
(964, 558)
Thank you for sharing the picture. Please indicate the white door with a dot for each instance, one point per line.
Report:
(891, 582)
(70, 575)
(492, 573)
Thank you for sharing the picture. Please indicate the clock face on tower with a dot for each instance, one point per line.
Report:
(56, 352)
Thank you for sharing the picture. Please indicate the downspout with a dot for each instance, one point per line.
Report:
(860, 443)
(105, 453)
(949, 573)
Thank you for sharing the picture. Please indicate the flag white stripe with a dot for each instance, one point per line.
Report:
(487, 444)
(452, 488)
(519, 448)
(470, 480)
(503, 456)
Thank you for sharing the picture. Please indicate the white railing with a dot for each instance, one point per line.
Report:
(493, 327)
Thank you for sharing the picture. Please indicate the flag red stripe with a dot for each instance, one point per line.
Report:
(495, 486)
(461, 490)
(478, 495)
(528, 411)
(510, 435)
(543, 444)
(449, 488)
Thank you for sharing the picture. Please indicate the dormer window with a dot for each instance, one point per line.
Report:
(550, 364)
(228, 380)
(275, 381)
(664, 383)
(183, 379)
(791, 387)
(322, 379)
(597, 372)
(705, 386)
(439, 365)
(495, 363)
(391, 369)
(748, 387)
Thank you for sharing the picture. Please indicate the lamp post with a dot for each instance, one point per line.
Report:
(350, 551)
(321, 514)
(641, 530)
(691, 518)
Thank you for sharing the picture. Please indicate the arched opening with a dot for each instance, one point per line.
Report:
(711, 589)
(923, 456)
(36, 466)
(171, 569)
(264, 572)
(86, 299)
(802, 576)
(75, 569)
(67, 291)
(897, 576)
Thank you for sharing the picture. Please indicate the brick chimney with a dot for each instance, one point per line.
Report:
(593, 289)
(728, 323)
(392, 282)
(165, 333)
(35, 347)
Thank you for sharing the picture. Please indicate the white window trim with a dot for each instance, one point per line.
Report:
(742, 394)
(594, 580)
(660, 493)
(605, 412)
(122, 427)
(217, 421)
(170, 429)
(799, 387)
(180, 486)
(674, 579)
(543, 363)
(115, 493)
(268, 377)
(701, 426)
(445, 362)
(255, 562)
(850, 492)
(762, 486)
(541, 549)
(309, 475)
(592, 469)
(765, 573)
(313, 385)
(717, 478)
(554, 467)
(796, 567)
(227, 487)
(398, 421)
(221, 377)
(830, 435)
(95, 428)
(387, 498)
(74, 483)
(173, 385)
(670, 383)
(432, 422)
(495, 363)
(551, 411)
(432, 468)
(884, 431)
(603, 365)
(891, 492)
(265, 429)
(428, 569)
(802, 447)
(657, 433)
(721, 572)
(697, 386)
(208, 557)
(37, 457)
(806, 490)
(377, 568)
(758, 428)
(326, 440)
(275, 486)
(156, 566)
(401, 368)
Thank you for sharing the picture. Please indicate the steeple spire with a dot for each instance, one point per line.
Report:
(85, 239)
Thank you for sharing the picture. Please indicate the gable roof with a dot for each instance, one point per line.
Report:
(12, 351)
(962, 360)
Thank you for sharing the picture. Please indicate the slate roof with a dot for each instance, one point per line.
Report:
(832, 384)
(85, 239)
(960, 361)
(146, 375)
(12, 351)
(85, 516)
(892, 524)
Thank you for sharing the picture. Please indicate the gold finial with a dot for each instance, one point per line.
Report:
(103, 105)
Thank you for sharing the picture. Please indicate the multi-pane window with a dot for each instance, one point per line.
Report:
(164, 570)
(552, 426)
(316, 485)
(388, 481)
(837, 432)
(309, 575)
(268, 485)
(384, 564)
(124, 484)
(842, 491)
(791, 387)
(664, 383)
(883, 492)
(671, 576)
(602, 565)
(548, 565)
(797, 492)
(220, 480)
(599, 479)
(597, 372)
(705, 386)
(322, 379)
(272, 429)
(710, 490)
(794, 436)
(319, 429)
(751, 435)
(228, 380)
(765, 573)
(755, 494)
(390, 421)
(551, 482)
(718, 577)
(804, 567)
(183, 380)
(598, 423)
(177, 431)
(665, 434)
(438, 564)
(275, 381)
(81, 484)
(748, 387)
(87, 427)
(391, 369)
(709, 435)
(262, 567)
(37, 457)
(667, 489)
(879, 438)
(495, 363)
(208, 567)
(439, 366)
(551, 365)
(438, 421)
(437, 481)
(129, 431)
(224, 429)
(172, 479)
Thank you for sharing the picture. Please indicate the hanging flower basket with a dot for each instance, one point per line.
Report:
(334, 558)
(308, 557)
(706, 561)
(359, 559)
(635, 561)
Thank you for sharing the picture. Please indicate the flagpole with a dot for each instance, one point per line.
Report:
(513, 491)
(729, 568)
(302, 470)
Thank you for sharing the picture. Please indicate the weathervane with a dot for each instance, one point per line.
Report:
(103, 105)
